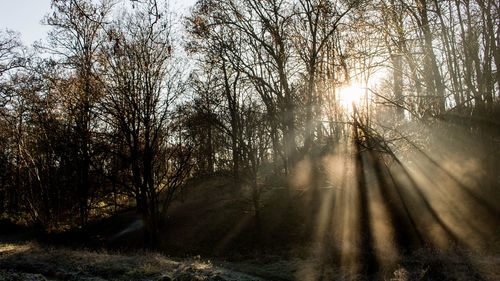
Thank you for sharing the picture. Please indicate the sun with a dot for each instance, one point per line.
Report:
(351, 94)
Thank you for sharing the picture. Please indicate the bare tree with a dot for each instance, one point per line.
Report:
(143, 81)
(77, 33)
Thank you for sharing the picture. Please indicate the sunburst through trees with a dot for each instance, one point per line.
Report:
(361, 137)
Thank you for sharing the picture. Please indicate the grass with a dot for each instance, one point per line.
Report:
(31, 261)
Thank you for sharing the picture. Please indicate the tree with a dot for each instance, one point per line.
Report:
(315, 25)
(10, 48)
(76, 36)
(142, 82)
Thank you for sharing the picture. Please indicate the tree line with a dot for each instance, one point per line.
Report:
(126, 105)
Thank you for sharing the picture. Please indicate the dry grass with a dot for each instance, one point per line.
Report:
(31, 261)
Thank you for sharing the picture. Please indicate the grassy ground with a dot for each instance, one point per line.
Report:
(30, 261)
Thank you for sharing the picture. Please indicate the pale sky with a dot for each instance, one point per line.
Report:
(24, 16)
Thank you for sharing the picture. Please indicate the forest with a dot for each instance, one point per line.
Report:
(331, 139)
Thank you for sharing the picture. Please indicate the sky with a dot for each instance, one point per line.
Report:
(24, 16)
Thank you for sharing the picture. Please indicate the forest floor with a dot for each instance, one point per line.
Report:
(208, 237)
(35, 262)
(32, 261)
